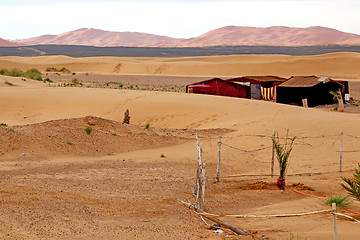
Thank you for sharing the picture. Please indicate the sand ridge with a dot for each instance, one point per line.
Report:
(335, 65)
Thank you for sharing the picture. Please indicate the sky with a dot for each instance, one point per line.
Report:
(177, 18)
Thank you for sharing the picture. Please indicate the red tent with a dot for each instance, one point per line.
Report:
(217, 86)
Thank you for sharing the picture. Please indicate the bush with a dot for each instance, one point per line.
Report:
(33, 71)
(9, 83)
(352, 186)
(88, 130)
(147, 125)
(4, 71)
(14, 72)
(340, 201)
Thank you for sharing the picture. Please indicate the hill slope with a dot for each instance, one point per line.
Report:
(230, 35)
(100, 38)
(6, 43)
(275, 36)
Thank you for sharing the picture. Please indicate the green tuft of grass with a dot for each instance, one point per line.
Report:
(293, 237)
(341, 201)
(88, 130)
(11, 129)
(114, 134)
(9, 83)
(70, 143)
(147, 125)
(3, 124)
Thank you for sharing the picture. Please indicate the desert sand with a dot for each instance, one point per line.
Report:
(335, 65)
(123, 181)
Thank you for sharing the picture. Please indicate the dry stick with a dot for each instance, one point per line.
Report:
(344, 215)
(273, 153)
(335, 225)
(214, 219)
(341, 150)
(269, 175)
(218, 167)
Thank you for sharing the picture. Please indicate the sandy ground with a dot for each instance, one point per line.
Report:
(123, 181)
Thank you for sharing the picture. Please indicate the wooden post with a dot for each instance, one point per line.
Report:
(341, 149)
(273, 152)
(335, 224)
(218, 167)
(305, 103)
(203, 182)
(198, 167)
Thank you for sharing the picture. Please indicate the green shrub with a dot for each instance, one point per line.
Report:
(70, 143)
(33, 71)
(147, 125)
(4, 72)
(64, 70)
(9, 83)
(340, 201)
(3, 124)
(15, 72)
(88, 129)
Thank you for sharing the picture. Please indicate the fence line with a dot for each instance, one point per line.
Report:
(268, 215)
(224, 139)
(246, 151)
(268, 136)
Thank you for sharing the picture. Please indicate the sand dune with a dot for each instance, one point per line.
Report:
(6, 43)
(99, 38)
(230, 35)
(273, 36)
(335, 65)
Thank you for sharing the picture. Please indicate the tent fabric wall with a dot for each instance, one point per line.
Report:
(219, 87)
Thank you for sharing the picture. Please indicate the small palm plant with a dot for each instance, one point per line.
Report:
(340, 201)
(352, 186)
(283, 153)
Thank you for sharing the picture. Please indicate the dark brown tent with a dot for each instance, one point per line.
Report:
(315, 89)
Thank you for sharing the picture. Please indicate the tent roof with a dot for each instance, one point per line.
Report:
(305, 81)
(259, 79)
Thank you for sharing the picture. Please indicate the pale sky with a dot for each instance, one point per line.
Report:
(177, 18)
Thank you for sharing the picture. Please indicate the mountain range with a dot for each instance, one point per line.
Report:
(229, 36)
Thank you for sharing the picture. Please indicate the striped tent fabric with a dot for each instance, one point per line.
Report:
(267, 93)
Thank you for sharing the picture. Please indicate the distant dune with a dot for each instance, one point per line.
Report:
(100, 38)
(6, 43)
(230, 35)
(274, 36)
